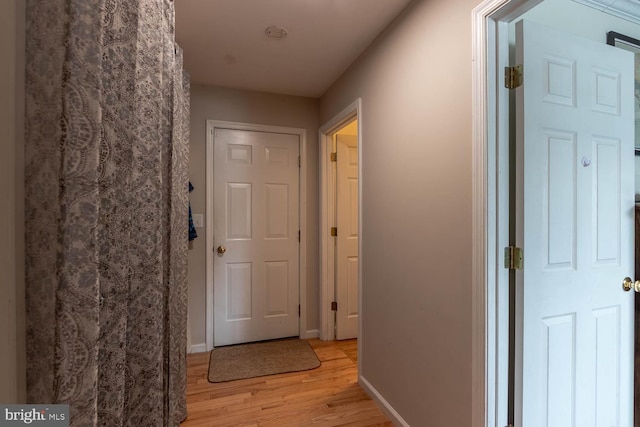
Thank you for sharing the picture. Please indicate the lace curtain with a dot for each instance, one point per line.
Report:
(107, 115)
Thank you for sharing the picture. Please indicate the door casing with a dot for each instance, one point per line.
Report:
(327, 208)
(302, 278)
(490, 201)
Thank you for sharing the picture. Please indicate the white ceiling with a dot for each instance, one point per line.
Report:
(625, 9)
(224, 41)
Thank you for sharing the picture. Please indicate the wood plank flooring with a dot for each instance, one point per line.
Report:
(327, 396)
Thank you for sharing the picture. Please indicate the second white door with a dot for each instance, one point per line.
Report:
(256, 232)
(347, 239)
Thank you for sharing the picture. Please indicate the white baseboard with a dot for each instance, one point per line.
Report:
(198, 348)
(201, 348)
(382, 402)
(312, 333)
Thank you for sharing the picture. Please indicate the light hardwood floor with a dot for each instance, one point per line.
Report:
(327, 396)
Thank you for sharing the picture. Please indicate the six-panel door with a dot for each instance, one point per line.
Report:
(347, 240)
(574, 338)
(256, 223)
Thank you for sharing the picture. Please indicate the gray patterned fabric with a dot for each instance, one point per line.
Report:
(107, 115)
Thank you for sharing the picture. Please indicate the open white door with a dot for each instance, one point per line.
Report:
(574, 334)
(256, 226)
(347, 239)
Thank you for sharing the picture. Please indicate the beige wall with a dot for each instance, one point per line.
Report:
(12, 353)
(214, 103)
(415, 84)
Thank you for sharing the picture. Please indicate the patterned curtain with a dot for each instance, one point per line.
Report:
(106, 211)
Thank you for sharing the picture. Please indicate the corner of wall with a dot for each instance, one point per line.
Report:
(382, 402)
(197, 348)
(310, 334)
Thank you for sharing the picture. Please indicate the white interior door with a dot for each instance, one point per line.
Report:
(347, 239)
(256, 217)
(574, 335)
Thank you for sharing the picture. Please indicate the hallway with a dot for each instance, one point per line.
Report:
(326, 396)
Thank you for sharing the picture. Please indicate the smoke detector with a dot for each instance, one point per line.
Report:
(276, 32)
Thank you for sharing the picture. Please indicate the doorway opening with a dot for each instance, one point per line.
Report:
(345, 230)
(492, 127)
(341, 225)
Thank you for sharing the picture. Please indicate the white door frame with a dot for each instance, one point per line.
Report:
(490, 171)
(327, 208)
(212, 125)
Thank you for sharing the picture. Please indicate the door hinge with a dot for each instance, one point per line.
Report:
(299, 310)
(334, 231)
(334, 157)
(334, 306)
(299, 161)
(513, 258)
(299, 236)
(513, 77)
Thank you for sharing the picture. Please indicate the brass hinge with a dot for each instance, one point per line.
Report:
(513, 258)
(334, 157)
(334, 231)
(513, 77)
(334, 306)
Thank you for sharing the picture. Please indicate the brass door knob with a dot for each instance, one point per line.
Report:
(628, 285)
(221, 250)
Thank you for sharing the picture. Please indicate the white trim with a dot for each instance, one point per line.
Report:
(498, 232)
(209, 236)
(327, 200)
(490, 199)
(302, 273)
(310, 334)
(480, 386)
(198, 348)
(382, 402)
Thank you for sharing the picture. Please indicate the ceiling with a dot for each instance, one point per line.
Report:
(225, 44)
(625, 9)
